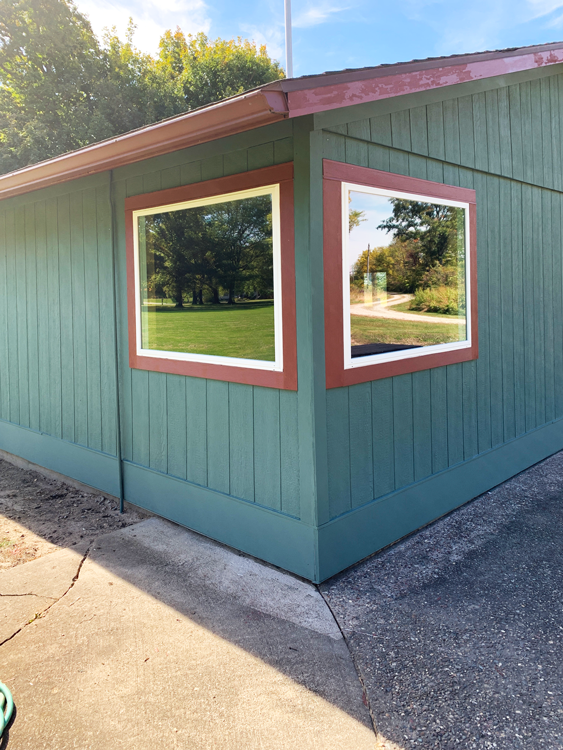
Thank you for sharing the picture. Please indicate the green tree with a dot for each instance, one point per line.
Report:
(61, 88)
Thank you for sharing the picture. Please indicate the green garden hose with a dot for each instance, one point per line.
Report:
(6, 707)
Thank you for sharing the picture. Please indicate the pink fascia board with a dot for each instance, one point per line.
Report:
(322, 98)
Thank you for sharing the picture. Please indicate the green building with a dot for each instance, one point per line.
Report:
(304, 321)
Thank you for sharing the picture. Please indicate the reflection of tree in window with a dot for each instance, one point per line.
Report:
(219, 250)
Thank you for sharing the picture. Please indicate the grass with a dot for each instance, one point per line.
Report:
(387, 331)
(244, 330)
(404, 307)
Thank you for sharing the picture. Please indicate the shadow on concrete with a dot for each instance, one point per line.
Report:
(269, 615)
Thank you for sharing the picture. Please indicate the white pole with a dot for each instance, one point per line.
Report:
(288, 47)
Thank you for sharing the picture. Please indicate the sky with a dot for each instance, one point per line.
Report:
(337, 34)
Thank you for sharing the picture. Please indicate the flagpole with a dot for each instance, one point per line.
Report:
(288, 45)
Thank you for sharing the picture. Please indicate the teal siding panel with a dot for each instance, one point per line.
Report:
(141, 420)
(547, 284)
(12, 318)
(31, 312)
(54, 320)
(507, 309)
(235, 162)
(67, 335)
(555, 132)
(504, 132)
(493, 132)
(454, 384)
(380, 128)
(360, 129)
(422, 424)
(452, 146)
(518, 308)
(218, 436)
(537, 132)
(80, 364)
(283, 151)
(212, 168)
(261, 156)
(378, 157)
(546, 124)
(495, 311)
(176, 439)
(334, 147)
(527, 139)
(436, 142)
(529, 256)
(21, 311)
(470, 428)
(196, 426)
(108, 396)
(356, 152)
(439, 416)
(289, 448)
(267, 456)
(338, 446)
(361, 448)
(557, 303)
(466, 131)
(403, 430)
(4, 367)
(419, 130)
(241, 440)
(383, 436)
(480, 132)
(158, 417)
(401, 130)
(538, 305)
(517, 153)
(92, 307)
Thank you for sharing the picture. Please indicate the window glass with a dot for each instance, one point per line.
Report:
(206, 277)
(406, 260)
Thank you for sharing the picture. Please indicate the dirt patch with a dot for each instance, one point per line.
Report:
(39, 515)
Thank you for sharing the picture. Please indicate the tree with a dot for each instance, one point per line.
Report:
(61, 88)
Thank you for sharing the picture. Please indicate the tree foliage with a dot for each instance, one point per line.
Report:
(62, 88)
(222, 248)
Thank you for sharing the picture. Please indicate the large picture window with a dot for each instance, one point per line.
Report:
(209, 294)
(405, 248)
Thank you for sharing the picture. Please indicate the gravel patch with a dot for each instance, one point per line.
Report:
(457, 632)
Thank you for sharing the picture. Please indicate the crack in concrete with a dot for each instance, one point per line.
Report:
(39, 615)
(365, 694)
(40, 596)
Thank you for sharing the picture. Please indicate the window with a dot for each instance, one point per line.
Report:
(400, 274)
(211, 279)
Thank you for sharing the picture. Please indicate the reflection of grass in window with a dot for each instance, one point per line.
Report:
(387, 331)
(244, 330)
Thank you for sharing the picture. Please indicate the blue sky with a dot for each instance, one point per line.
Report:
(336, 34)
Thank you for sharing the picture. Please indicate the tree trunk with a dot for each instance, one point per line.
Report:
(200, 297)
(231, 297)
(194, 298)
(216, 299)
(178, 299)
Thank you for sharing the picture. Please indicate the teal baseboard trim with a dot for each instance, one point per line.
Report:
(350, 538)
(276, 538)
(96, 469)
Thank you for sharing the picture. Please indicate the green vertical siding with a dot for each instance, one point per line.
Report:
(56, 326)
(505, 144)
(231, 438)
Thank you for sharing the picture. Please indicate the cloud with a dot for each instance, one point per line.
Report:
(317, 14)
(150, 17)
(539, 8)
(273, 37)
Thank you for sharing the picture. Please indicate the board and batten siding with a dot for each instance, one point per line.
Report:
(236, 439)
(506, 145)
(57, 374)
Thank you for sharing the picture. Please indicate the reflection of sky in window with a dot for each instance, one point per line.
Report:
(376, 209)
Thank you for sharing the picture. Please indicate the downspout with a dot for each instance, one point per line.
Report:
(116, 347)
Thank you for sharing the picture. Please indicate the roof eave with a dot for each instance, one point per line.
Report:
(245, 112)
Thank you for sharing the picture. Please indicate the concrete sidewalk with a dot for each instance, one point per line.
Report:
(159, 638)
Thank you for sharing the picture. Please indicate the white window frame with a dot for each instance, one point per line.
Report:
(373, 359)
(254, 364)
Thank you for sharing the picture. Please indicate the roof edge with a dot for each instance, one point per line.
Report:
(245, 112)
(348, 89)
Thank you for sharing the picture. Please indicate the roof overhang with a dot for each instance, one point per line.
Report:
(277, 101)
(318, 94)
(245, 112)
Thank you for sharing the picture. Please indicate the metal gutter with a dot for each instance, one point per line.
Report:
(246, 112)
